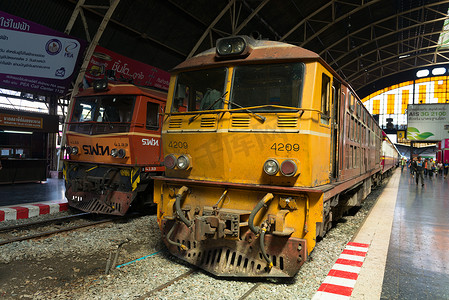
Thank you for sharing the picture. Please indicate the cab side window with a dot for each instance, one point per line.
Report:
(152, 122)
(325, 94)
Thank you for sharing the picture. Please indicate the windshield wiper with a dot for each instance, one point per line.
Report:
(107, 120)
(209, 107)
(259, 117)
(88, 113)
(280, 108)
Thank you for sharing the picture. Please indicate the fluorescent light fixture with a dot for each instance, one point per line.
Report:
(404, 56)
(15, 131)
(438, 71)
(422, 73)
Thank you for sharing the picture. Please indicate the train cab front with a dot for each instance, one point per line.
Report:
(112, 149)
(236, 198)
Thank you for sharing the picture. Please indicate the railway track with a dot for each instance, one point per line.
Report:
(185, 275)
(255, 285)
(25, 231)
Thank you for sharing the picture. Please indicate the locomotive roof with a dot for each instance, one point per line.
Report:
(125, 89)
(261, 50)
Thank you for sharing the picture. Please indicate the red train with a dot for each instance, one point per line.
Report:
(113, 147)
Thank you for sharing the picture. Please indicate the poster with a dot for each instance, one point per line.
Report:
(105, 63)
(36, 59)
(427, 122)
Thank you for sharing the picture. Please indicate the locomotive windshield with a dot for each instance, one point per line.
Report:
(100, 114)
(268, 85)
(199, 90)
(103, 109)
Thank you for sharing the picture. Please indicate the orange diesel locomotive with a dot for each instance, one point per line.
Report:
(264, 146)
(113, 147)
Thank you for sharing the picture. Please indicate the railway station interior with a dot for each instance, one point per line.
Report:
(393, 56)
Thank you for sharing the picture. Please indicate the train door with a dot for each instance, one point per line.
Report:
(335, 122)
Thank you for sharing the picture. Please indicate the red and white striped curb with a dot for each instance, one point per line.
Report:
(25, 211)
(341, 280)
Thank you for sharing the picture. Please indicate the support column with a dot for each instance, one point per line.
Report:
(52, 156)
(90, 50)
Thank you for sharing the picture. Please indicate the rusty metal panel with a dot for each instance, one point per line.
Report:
(238, 258)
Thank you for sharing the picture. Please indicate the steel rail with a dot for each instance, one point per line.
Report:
(250, 291)
(43, 222)
(47, 233)
(167, 284)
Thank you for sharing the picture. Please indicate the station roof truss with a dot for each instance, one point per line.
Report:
(363, 40)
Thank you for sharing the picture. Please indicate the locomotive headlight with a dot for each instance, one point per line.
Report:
(183, 162)
(170, 161)
(114, 152)
(288, 168)
(75, 150)
(121, 153)
(233, 46)
(118, 153)
(100, 85)
(271, 166)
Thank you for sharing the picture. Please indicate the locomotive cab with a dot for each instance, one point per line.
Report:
(113, 147)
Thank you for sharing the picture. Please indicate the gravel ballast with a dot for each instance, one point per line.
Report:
(80, 258)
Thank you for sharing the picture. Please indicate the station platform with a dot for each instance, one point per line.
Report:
(401, 250)
(26, 200)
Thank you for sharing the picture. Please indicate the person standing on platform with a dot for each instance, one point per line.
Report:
(419, 168)
(439, 167)
(411, 165)
(403, 162)
(430, 167)
(446, 168)
(425, 166)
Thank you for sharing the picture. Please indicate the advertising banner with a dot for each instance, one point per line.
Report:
(105, 63)
(427, 122)
(34, 58)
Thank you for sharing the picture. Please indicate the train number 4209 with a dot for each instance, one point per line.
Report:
(285, 147)
(178, 145)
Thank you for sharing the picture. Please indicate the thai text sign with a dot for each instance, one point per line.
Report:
(20, 121)
(35, 58)
(428, 122)
(124, 69)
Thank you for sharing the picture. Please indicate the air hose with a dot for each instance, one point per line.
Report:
(262, 248)
(172, 242)
(260, 204)
(179, 212)
(257, 229)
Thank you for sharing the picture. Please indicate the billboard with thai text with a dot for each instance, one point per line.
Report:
(105, 63)
(427, 122)
(36, 59)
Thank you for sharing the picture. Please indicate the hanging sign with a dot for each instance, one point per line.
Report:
(34, 58)
(427, 122)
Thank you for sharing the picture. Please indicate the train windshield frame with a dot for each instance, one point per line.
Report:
(268, 87)
(199, 90)
(107, 108)
(92, 112)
